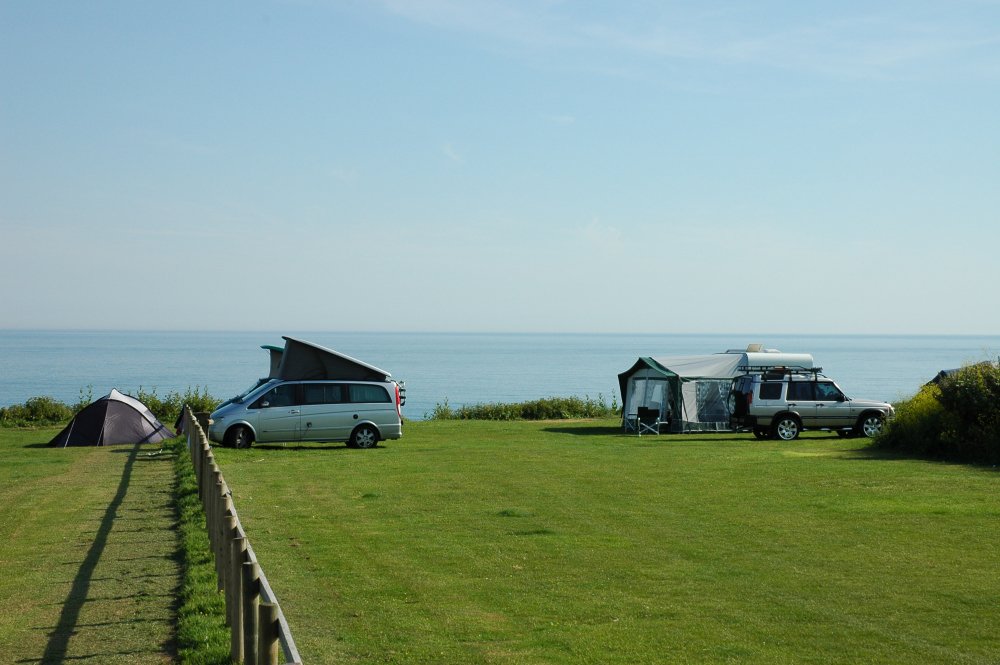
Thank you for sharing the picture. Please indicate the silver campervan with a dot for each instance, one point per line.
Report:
(362, 413)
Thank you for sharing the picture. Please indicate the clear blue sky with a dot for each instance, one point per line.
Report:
(463, 165)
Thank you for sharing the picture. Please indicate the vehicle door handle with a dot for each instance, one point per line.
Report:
(294, 411)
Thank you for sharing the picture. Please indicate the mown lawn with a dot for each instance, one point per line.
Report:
(484, 542)
(88, 552)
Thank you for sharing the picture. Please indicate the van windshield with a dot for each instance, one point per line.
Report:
(243, 395)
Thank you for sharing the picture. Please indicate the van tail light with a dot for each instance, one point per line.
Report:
(399, 407)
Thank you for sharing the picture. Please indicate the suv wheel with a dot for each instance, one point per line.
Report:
(870, 424)
(787, 428)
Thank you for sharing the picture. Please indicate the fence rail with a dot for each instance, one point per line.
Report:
(260, 633)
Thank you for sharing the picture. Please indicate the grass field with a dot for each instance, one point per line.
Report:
(87, 552)
(553, 542)
(484, 542)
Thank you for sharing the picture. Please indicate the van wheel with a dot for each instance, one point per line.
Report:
(787, 428)
(365, 436)
(870, 424)
(239, 437)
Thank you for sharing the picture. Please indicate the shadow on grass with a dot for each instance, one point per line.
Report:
(299, 446)
(55, 650)
(872, 453)
(79, 594)
(616, 431)
(584, 430)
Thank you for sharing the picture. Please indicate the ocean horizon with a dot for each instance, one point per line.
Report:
(457, 367)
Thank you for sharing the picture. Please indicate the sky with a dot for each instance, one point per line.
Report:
(524, 166)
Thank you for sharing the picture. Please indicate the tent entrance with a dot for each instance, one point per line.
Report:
(650, 389)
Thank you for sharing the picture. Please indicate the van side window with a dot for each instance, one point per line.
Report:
(364, 394)
(770, 391)
(323, 393)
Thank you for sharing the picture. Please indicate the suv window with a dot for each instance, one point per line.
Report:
(827, 392)
(770, 391)
(363, 394)
(801, 390)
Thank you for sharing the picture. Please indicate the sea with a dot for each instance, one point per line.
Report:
(453, 368)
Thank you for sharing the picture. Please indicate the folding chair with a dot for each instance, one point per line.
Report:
(648, 420)
(631, 423)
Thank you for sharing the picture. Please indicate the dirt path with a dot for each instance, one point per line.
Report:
(105, 517)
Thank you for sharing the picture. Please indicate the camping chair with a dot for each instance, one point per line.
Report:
(631, 422)
(648, 420)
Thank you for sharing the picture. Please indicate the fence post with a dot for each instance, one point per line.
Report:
(229, 534)
(251, 597)
(202, 418)
(218, 529)
(235, 596)
(267, 645)
(197, 454)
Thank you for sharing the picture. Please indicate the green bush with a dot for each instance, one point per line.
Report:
(44, 411)
(971, 400)
(917, 425)
(551, 408)
(168, 407)
(956, 420)
(36, 412)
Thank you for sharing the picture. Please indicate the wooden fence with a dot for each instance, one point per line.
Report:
(260, 634)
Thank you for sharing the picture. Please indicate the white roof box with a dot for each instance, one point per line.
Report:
(769, 359)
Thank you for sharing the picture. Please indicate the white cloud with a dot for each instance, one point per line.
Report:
(562, 119)
(344, 175)
(601, 235)
(451, 153)
(865, 42)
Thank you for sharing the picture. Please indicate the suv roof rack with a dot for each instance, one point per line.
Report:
(779, 371)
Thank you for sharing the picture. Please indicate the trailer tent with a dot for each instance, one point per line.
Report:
(690, 393)
(112, 419)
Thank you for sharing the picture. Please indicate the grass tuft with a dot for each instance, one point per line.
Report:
(202, 635)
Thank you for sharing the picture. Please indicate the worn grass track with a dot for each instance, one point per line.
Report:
(477, 542)
(88, 551)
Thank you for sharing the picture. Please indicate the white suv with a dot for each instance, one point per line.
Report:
(782, 404)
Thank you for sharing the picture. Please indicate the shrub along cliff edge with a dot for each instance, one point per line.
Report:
(47, 411)
(956, 419)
